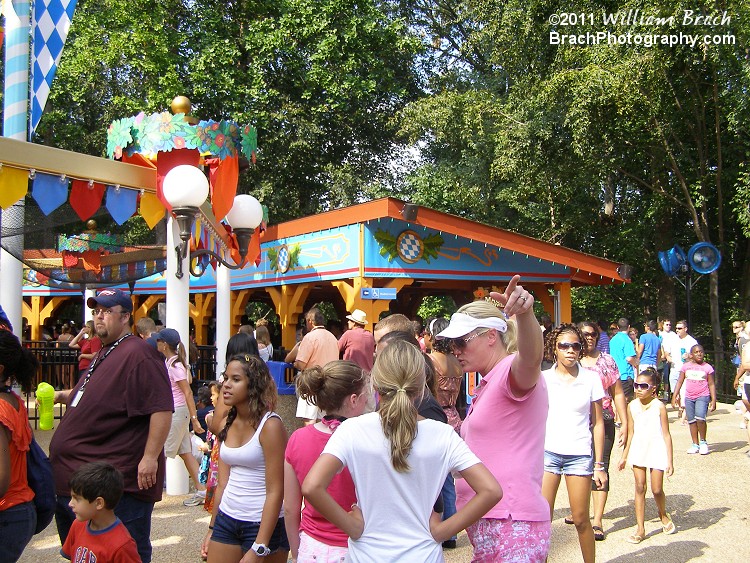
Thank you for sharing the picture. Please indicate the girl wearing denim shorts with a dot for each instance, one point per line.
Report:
(700, 397)
(575, 403)
(248, 511)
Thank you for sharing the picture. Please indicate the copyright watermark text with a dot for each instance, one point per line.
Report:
(635, 27)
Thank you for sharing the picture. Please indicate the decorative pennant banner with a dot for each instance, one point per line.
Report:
(122, 203)
(14, 185)
(151, 210)
(49, 191)
(86, 198)
(224, 175)
(50, 28)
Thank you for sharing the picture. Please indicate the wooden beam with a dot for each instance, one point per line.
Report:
(20, 154)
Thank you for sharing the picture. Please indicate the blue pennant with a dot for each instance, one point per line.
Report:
(49, 191)
(121, 203)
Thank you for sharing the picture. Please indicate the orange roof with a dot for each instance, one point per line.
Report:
(586, 269)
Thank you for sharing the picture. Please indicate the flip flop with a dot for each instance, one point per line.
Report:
(568, 520)
(635, 538)
(598, 533)
(669, 528)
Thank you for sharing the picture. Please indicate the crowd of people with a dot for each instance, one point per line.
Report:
(387, 465)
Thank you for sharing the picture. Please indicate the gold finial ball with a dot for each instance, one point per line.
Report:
(91, 225)
(181, 104)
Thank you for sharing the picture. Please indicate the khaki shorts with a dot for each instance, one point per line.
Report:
(178, 442)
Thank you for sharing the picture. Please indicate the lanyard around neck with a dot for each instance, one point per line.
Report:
(99, 358)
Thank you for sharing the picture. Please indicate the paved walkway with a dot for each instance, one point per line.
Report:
(708, 497)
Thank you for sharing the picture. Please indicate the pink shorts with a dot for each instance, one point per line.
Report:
(516, 541)
(314, 551)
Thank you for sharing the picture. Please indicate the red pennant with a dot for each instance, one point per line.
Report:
(69, 259)
(86, 198)
(224, 175)
(168, 160)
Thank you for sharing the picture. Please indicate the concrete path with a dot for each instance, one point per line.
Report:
(708, 497)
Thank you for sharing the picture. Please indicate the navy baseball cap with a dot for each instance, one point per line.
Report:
(168, 335)
(109, 298)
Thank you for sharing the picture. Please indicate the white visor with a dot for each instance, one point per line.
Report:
(462, 324)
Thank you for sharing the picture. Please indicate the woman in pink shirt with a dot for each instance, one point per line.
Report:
(340, 389)
(505, 424)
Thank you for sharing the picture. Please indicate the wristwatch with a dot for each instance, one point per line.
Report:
(260, 549)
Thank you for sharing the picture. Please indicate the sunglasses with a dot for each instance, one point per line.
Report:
(589, 334)
(736, 326)
(679, 328)
(642, 386)
(460, 343)
(576, 346)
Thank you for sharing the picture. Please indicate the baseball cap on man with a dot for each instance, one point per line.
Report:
(110, 298)
(168, 335)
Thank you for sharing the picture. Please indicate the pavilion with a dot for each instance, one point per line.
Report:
(379, 256)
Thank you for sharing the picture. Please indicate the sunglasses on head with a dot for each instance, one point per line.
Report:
(642, 386)
(569, 346)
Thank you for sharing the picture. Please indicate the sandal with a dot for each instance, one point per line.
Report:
(669, 528)
(635, 538)
(569, 520)
(598, 533)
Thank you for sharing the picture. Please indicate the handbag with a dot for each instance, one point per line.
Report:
(42, 482)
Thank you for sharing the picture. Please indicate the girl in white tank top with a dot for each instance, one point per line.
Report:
(248, 507)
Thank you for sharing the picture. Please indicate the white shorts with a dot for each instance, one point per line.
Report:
(178, 442)
(308, 411)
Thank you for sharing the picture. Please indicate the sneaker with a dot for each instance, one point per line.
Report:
(196, 500)
(703, 448)
(693, 449)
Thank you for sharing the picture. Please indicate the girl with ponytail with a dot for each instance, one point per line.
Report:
(398, 461)
(248, 513)
(341, 390)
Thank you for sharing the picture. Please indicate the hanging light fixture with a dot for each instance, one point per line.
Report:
(185, 188)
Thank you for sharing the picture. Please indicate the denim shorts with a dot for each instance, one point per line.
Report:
(696, 409)
(230, 531)
(560, 464)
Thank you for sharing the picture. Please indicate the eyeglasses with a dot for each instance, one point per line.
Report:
(642, 386)
(589, 334)
(680, 328)
(569, 345)
(105, 312)
(736, 326)
(460, 343)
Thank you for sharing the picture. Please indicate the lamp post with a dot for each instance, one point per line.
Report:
(186, 188)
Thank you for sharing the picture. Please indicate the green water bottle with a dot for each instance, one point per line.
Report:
(45, 396)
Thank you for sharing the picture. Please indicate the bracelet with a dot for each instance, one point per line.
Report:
(194, 417)
(598, 463)
(600, 469)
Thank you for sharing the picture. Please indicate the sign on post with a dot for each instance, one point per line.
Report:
(378, 293)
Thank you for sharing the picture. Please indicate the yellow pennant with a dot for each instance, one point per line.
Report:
(14, 185)
(151, 209)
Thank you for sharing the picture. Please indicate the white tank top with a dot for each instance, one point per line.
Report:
(245, 492)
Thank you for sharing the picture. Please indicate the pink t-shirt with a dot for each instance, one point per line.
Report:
(507, 434)
(696, 379)
(176, 373)
(318, 347)
(303, 449)
(606, 367)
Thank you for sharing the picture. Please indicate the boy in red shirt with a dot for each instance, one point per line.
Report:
(97, 535)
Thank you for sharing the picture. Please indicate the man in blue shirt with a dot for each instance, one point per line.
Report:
(622, 349)
(649, 347)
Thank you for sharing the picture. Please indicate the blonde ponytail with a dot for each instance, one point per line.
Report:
(399, 378)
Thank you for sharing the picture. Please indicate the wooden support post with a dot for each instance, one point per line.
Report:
(566, 307)
(288, 301)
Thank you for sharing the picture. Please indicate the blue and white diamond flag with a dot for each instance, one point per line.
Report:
(51, 23)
